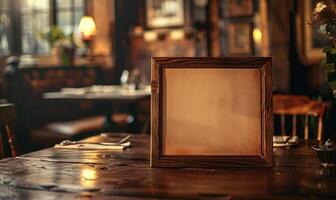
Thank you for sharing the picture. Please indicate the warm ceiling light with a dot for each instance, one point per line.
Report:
(87, 27)
(257, 35)
(150, 36)
(177, 34)
(137, 30)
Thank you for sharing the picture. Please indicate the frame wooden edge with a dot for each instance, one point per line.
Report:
(264, 160)
(267, 144)
(216, 162)
(154, 143)
(248, 61)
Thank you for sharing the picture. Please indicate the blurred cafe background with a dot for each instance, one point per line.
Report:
(76, 68)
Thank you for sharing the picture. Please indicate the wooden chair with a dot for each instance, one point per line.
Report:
(294, 105)
(7, 120)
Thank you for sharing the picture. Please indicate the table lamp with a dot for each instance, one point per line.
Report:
(88, 30)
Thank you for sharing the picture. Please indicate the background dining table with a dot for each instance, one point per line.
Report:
(106, 97)
(109, 174)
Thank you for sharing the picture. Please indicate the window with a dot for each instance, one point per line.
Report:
(69, 13)
(35, 18)
(32, 17)
(4, 28)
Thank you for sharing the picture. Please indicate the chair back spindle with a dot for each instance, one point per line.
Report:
(7, 120)
(294, 106)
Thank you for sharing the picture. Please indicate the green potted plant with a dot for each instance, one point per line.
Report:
(63, 45)
(324, 18)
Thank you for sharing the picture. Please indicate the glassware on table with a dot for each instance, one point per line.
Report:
(326, 153)
(133, 80)
(124, 79)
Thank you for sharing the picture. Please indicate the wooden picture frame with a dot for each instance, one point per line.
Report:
(190, 104)
(159, 16)
(238, 8)
(240, 38)
(310, 42)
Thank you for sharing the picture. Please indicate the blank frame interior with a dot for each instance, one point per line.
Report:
(211, 111)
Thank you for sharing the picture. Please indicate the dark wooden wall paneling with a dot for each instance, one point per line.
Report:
(127, 14)
(279, 34)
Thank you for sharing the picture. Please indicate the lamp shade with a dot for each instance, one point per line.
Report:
(87, 27)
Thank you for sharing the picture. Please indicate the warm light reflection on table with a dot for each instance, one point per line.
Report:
(88, 176)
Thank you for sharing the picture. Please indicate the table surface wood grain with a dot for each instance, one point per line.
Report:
(106, 174)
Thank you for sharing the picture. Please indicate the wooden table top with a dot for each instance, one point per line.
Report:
(102, 174)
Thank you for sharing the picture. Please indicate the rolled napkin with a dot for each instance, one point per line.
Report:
(121, 146)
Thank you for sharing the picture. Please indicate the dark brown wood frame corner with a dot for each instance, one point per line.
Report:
(263, 160)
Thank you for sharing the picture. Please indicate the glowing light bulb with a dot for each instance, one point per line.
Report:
(87, 27)
(257, 35)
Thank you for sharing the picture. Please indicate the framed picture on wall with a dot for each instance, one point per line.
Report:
(310, 40)
(239, 38)
(204, 115)
(237, 8)
(165, 13)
